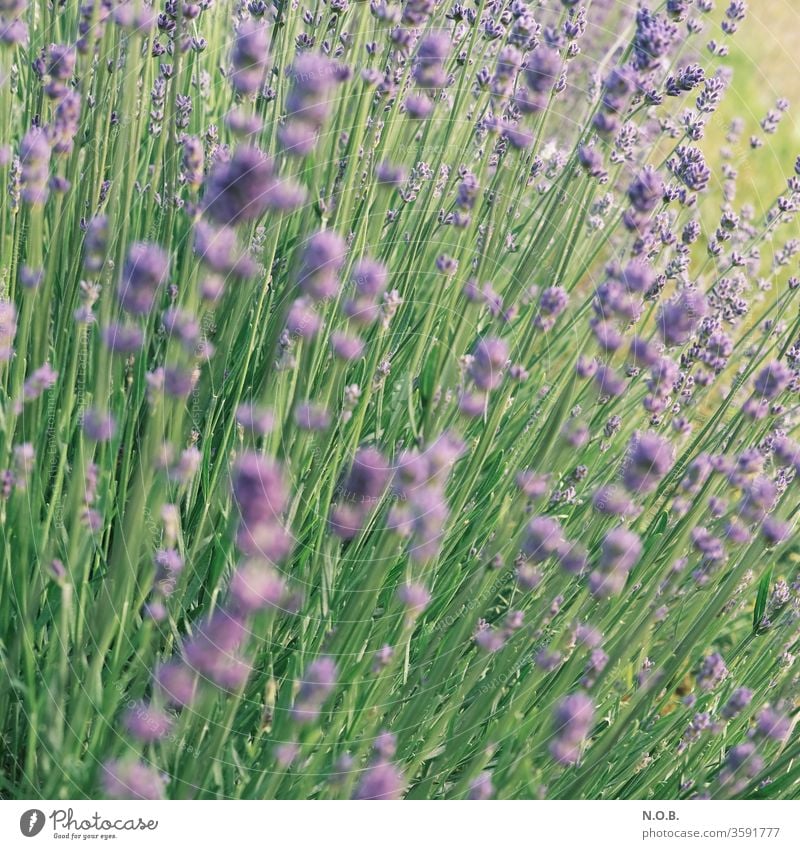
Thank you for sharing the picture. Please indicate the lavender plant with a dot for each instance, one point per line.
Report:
(395, 402)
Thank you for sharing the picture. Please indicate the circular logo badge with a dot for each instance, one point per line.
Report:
(31, 822)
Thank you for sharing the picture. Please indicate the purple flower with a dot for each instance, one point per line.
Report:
(678, 318)
(42, 379)
(346, 347)
(98, 425)
(219, 249)
(360, 492)
(712, 672)
(319, 681)
(543, 538)
(649, 458)
(738, 701)
(608, 381)
(572, 721)
(303, 319)
(323, 257)
(689, 166)
(245, 187)
(481, 788)
(147, 723)
(297, 138)
(212, 650)
(256, 420)
(772, 380)
(313, 76)
(429, 72)
(388, 174)
(192, 161)
(771, 724)
(123, 339)
(573, 558)
(131, 779)
(418, 106)
(774, 531)
(552, 302)
(758, 498)
(489, 359)
(255, 586)
(259, 489)
(620, 551)
(8, 330)
(249, 57)
(415, 598)
(646, 191)
(177, 683)
(542, 70)
(381, 781)
(653, 39)
(66, 122)
(312, 417)
(34, 155)
(145, 271)
(370, 278)
(96, 244)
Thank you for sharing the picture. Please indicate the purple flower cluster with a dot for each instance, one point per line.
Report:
(572, 721)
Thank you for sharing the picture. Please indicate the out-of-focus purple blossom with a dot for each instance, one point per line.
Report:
(544, 537)
(758, 498)
(312, 417)
(123, 339)
(775, 531)
(489, 639)
(257, 421)
(323, 257)
(620, 551)
(144, 273)
(255, 586)
(360, 492)
(212, 650)
(552, 302)
(713, 671)
(42, 379)
(772, 724)
(415, 598)
(65, 124)
(649, 458)
(147, 723)
(381, 781)
(678, 318)
(738, 701)
(259, 489)
(131, 779)
(481, 787)
(244, 187)
(772, 380)
(646, 191)
(346, 347)
(572, 721)
(317, 684)
(608, 381)
(489, 359)
(177, 683)
(96, 244)
(249, 57)
(98, 425)
(8, 329)
(34, 156)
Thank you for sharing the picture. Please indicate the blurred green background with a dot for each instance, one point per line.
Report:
(765, 58)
